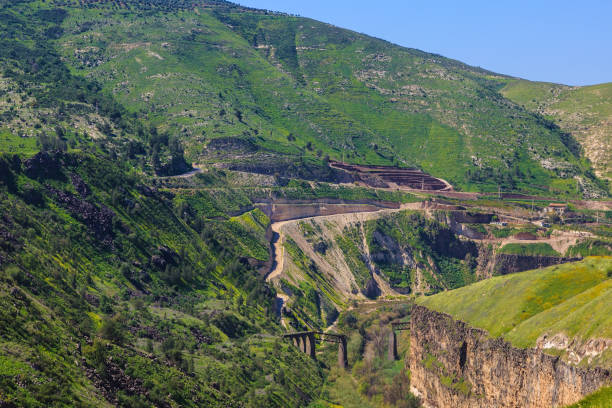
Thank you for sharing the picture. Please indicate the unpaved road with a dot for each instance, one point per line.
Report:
(190, 173)
(279, 250)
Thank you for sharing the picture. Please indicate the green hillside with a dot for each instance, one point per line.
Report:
(123, 283)
(117, 293)
(584, 112)
(599, 399)
(571, 299)
(279, 94)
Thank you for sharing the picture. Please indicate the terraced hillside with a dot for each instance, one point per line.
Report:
(388, 176)
(272, 93)
(584, 112)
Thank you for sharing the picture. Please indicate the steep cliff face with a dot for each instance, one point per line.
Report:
(455, 365)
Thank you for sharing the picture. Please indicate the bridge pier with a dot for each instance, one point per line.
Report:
(306, 343)
(342, 355)
(392, 352)
(395, 326)
(310, 345)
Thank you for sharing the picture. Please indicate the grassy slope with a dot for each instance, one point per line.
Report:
(585, 112)
(348, 95)
(537, 249)
(599, 399)
(42, 104)
(573, 299)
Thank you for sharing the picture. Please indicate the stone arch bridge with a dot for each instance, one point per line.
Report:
(306, 342)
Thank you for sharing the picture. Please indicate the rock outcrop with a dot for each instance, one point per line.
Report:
(511, 263)
(455, 365)
(44, 165)
(491, 263)
(98, 219)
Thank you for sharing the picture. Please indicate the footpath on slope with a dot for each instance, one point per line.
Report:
(194, 170)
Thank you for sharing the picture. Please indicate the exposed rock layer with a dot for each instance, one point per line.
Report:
(279, 210)
(455, 365)
(511, 263)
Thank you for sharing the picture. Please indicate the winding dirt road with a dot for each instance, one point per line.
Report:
(195, 170)
(279, 250)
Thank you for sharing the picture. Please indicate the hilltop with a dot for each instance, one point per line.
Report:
(584, 112)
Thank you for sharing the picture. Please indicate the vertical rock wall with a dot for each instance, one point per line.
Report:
(454, 365)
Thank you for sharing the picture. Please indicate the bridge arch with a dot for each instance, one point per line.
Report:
(306, 343)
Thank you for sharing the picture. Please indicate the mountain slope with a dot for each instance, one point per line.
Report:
(121, 285)
(274, 93)
(584, 112)
(117, 293)
(332, 259)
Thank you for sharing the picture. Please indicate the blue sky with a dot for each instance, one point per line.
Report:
(559, 41)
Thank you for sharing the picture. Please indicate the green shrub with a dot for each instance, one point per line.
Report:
(229, 324)
(32, 195)
(112, 329)
(348, 319)
(14, 273)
